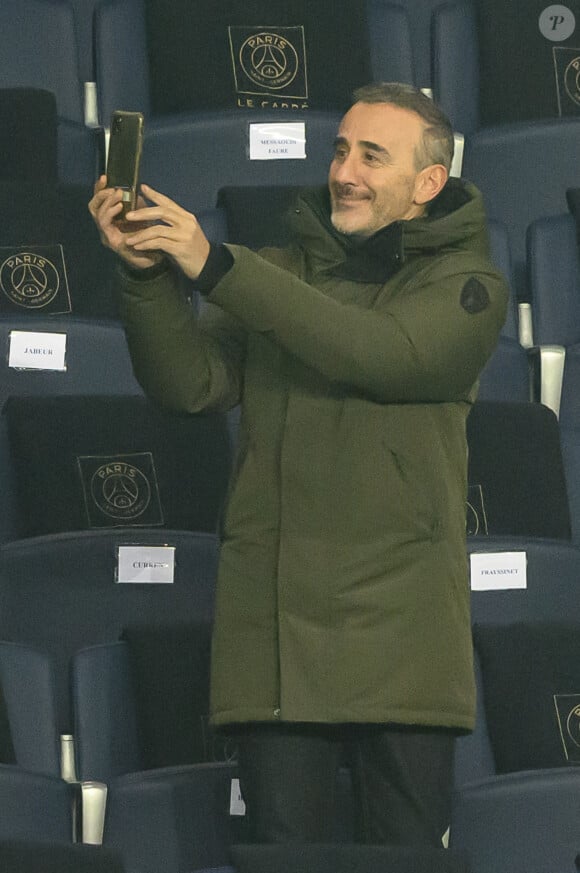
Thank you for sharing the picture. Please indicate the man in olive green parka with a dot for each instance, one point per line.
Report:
(342, 600)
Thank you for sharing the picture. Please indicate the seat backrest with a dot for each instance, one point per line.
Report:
(28, 687)
(502, 161)
(35, 806)
(32, 856)
(503, 824)
(143, 703)
(39, 50)
(76, 274)
(106, 461)
(190, 159)
(59, 593)
(554, 275)
(553, 582)
(515, 457)
(106, 729)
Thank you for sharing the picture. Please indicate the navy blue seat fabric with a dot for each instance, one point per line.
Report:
(553, 582)
(502, 161)
(35, 806)
(570, 435)
(28, 687)
(515, 460)
(417, 41)
(38, 856)
(59, 594)
(554, 278)
(97, 361)
(191, 159)
(174, 819)
(506, 376)
(519, 823)
(38, 49)
(554, 269)
(124, 73)
(353, 858)
(552, 595)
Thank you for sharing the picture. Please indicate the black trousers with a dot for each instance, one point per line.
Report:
(402, 781)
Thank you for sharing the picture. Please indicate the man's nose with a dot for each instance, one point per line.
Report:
(345, 170)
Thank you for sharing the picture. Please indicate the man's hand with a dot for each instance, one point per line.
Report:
(105, 207)
(172, 231)
(164, 229)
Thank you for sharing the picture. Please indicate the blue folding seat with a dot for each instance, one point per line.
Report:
(28, 687)
(40, 856)
(96, 361)
(506, 376)
(135, 63)
(501, 617)
(523, 822)
(554, 270)
(163, 811)
(503, 162)
(59, 593)
(38, 49)
(35, 806)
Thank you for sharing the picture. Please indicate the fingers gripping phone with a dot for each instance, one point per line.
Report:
(124, 156)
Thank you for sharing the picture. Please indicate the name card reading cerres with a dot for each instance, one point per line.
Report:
(33, 350)
(272, 142)
(497, 571)
(146, 564)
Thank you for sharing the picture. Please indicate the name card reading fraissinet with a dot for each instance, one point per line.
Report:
(146, 565)
(37, 350)
(275, 142)
(497, 571)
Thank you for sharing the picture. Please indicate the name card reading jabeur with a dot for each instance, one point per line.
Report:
(34, 350)
(497, 571)
(275, 142)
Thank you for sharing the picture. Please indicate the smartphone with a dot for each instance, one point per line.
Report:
(124, 156)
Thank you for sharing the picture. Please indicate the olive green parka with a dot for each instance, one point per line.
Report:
(343, 589)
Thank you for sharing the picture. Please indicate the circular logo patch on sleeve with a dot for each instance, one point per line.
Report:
(474, 296)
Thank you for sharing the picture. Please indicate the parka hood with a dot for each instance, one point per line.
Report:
(455, 222)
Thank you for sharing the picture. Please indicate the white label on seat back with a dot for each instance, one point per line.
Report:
(275, 142)
(496, 571)
(146, 564)
(37, 350)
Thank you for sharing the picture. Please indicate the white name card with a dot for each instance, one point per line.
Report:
(276, 142)
(146, 564)
(497, 571)
(37, 351)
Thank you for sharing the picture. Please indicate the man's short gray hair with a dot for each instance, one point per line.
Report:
(438, 143)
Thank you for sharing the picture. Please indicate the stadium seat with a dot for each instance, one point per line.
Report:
(28, 688)
(38, 50)
(59, 593)
(503, 162)
(515, 461)
(106, 461)
(35, 806)
(35, 856)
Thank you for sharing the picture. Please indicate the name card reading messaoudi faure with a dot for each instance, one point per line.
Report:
(275, 142)
(34, 350)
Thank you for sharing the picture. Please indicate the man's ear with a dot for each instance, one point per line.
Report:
(430, 180)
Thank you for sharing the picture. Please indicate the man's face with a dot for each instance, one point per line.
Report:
(373, 179)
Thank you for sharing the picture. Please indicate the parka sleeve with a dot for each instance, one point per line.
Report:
(184, 362)
(426, 345)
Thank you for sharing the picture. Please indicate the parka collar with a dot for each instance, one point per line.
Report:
(455, 222)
